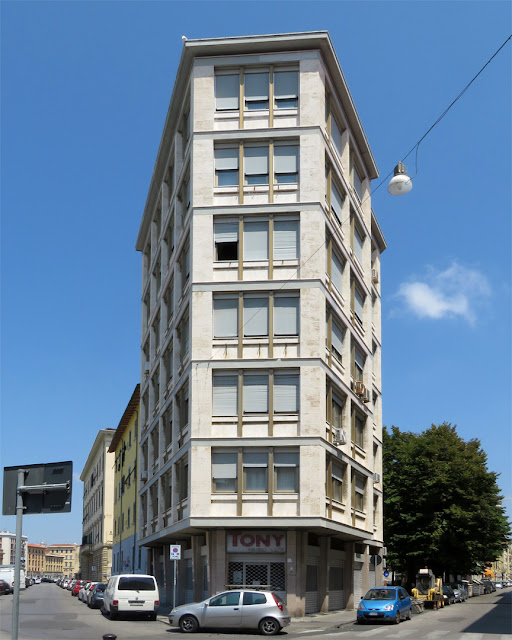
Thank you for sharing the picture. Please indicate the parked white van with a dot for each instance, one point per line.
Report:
(131, 593)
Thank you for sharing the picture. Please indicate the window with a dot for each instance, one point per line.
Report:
(358, 245)
(359, 487)
(226, 241)
(227, 92)
(286, 393)
(256, 165)
(286, 471)
(359, 430)
(255, 316)
(358, 305)
(256, 87)
(286, 239)
(225, 395)
(359, 360)
(256, 240)
(255, 467)
(336, 203)
(336, 137)
(337, 483)
(286, 315)
(230, 599)
(255, 393)
(337, 413)
(286, 89)
(286, 164)
(224, 472)
(254, 598)
(337, 341)
(225, 317)
(357, 182)
(337, 272)
(226, 167)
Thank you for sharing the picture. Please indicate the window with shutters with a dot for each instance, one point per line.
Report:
(286, 392)
(225, 394)
(255, 240)
(337, 474)
(226, 241)
(337, 412)
(337, 202)
(359, 485)
(358, 429)
(286, 315)
(227, 91)
(286, 89)
(358, 305)
(336, 133)
(256, 90)
(286, 239)
(255, 316)
(225, 316)
(337, 271)
(356, 177)
(337, 335)
(255, 471)
(255, 164)
(255, 393)
(286, 471)
(358, 243)
(359, 362)
(286, 164)
(224, 472)
(226, 166)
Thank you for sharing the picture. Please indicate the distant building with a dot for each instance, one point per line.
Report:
(53, 565)
(261, 407)
(126, 555)
(8, 548)
(98, 505)
(70, 557)
(35, 564)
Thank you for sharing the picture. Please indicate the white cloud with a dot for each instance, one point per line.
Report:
(455, 292)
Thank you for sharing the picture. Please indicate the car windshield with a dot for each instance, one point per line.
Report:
(380, 594)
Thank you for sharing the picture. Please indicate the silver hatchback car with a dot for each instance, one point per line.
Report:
(240, 609)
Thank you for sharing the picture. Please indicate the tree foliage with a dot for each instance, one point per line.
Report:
(441, 503)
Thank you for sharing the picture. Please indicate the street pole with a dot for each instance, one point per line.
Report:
(17, 561)
(174, 586)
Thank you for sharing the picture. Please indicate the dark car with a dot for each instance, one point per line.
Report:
(5, 588)
(95, 596)
(384, 604)
(448, 595)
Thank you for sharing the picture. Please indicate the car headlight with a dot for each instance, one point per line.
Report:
(389, 607)
(361, 606)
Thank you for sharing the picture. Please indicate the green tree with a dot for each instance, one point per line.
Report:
(441, 503)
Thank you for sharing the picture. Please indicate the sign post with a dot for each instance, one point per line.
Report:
(175, 555)
(43, 495)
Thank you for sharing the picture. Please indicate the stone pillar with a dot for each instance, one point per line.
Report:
(323, 574)
(348, 575)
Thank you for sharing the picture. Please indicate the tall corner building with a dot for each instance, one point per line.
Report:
(261, 421)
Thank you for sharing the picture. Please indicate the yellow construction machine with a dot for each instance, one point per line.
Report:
(429, 589)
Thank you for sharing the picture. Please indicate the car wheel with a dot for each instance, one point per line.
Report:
(396, 619)
(152, 616)
(269, 627)
(188, 624)
(112, 615)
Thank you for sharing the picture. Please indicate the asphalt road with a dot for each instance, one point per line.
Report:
(50, 613)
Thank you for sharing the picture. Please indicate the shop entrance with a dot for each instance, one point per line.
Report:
(268, 574)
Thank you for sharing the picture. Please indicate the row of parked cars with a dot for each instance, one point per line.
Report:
(88, 592)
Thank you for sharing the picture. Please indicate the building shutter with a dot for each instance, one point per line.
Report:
(286, 316)
(255, 393)
(255, 161)
(286, 393)
(227, 91)
(358, 304)
(255, 240)
(337, 338)
(336, 136)
(255, 316)
(226, 159)
(336, 202)
(336, 272)
(225, 395)
(286, 239)
(256, 86)
(286, 85)
(226, 231)
(286, 159)
(358, 246)
(225, 317)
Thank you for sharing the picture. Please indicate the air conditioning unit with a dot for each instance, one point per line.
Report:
(358, 557)
(340, 436)
(359, 388)
(376, 477)
(366, 396)
(375, 276)
(143, 476)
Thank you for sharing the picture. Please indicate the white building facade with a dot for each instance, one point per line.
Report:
(98, 510)
(261, 429)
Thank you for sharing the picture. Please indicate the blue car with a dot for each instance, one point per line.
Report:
(385, 604)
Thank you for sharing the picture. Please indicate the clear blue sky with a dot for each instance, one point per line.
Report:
(85, 89)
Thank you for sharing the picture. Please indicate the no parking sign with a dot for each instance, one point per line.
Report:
(175, 552)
